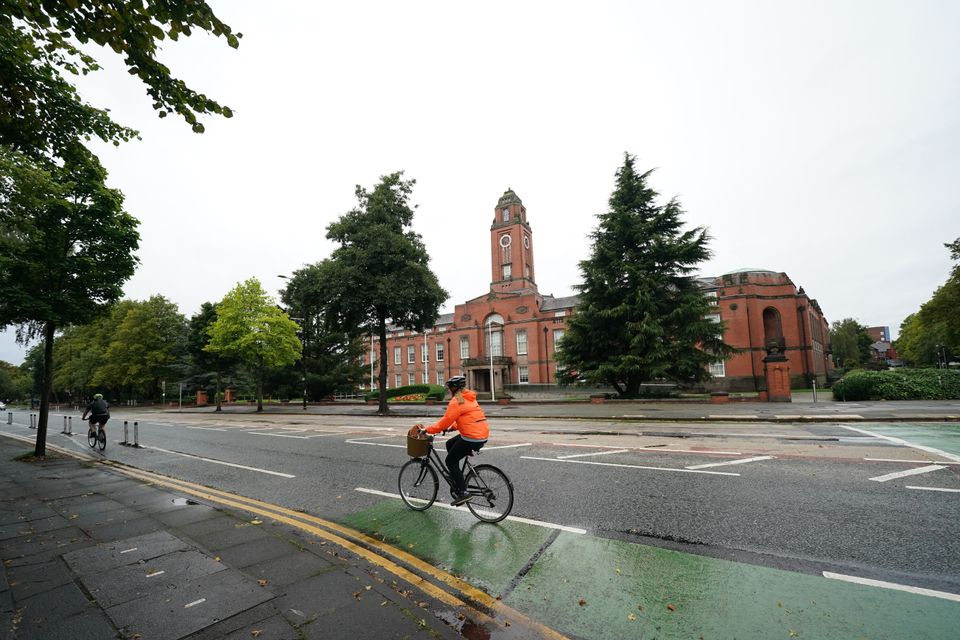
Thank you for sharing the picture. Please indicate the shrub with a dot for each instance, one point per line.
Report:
(434, 391)
(902, 384)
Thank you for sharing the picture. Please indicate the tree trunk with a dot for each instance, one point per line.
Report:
(219, 408)
(259, 389)
(45, 386)
(383, 409)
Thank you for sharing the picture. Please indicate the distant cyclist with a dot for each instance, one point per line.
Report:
(466, 416)
(99, 412)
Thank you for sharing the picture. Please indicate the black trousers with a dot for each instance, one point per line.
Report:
(457, 450)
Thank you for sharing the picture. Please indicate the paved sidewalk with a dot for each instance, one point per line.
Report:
(89, 553)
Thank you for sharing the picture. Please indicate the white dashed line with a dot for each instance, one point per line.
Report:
(630, 466)
(900, 441)
(594, 453)
(228, 464)
(893, 585)
(910, 461)
(728, 462)
(538, 523)
(194, 603)
(908, 472)
(943, 489)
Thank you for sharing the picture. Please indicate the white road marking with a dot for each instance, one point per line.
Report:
(739, 416)
(376, 444)
(594, 453)
(900, 441)
(286, 435)
(228, 464)
(206, 428)
(650, 449)
(934, 489)
(908, 472)
(538, 523)
(507, 446)
(194, 603)
(128, 550)
(156, 573)
(630, 466)
(893, 585)
(721, 464)
(912, 461)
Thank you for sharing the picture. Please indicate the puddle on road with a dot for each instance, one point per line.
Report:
(183, 501)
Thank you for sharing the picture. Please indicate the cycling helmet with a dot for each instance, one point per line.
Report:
(98, 396)
(456, 383)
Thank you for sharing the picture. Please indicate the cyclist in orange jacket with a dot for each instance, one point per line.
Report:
(465, 415)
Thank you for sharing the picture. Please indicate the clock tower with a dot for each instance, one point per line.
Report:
(511, 248)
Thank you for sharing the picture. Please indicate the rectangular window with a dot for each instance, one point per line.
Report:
(522, 342)
(506, 214)
(717, 369)
(424, 353)
(464, 347)
(713, 317)
(411, 354)
(411, 378)
(440, 379)
(397, 381)
(506, 272)
(524, 375)
(496, 343)
(439, 352)
(396, 356)
(426, 378)
(557, 338)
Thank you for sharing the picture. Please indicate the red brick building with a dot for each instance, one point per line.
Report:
(510, 333)
(761, 309)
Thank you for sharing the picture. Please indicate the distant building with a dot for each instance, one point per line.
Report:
(879, 334)
(513, 330)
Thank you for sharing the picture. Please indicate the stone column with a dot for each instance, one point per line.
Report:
(776, 371)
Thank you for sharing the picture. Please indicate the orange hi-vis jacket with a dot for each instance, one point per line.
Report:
(467, 418)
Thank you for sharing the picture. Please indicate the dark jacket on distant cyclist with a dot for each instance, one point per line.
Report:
(98, 408)
(466, 417)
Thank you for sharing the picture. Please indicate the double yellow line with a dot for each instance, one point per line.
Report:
(484, 609)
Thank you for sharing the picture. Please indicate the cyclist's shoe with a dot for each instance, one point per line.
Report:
(460, 498)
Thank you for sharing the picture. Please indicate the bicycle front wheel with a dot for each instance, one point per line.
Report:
(418, 484)
(102, 437)
(491, 491)
(92, 437)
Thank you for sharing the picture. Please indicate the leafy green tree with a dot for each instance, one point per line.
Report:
(332, 353)
(68, 249)
(80, 352)
(207, 365)
(641, 315)
(850, 343)
(380, 274)
(251, 329)
(147, 348)
(932, 335)
(41, 113)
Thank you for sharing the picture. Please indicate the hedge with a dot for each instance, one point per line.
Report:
(434, 391)
(902, 384)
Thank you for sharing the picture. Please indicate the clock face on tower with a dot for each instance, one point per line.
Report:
(526, 241)
(505, 240)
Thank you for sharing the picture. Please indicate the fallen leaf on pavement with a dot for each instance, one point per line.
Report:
(582, 602)
(262, 583)
(256, 633)
(255, 521)
(356, 594)
(631, 617)
(671, 607)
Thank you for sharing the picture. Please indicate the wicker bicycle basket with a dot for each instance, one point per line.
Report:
(416, 447)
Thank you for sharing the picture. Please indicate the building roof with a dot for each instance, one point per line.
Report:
(509, 197)
(555, 304)
(749, 270)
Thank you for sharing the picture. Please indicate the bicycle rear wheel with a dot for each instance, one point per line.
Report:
(91, 437)
(492, 493)
(418, 484)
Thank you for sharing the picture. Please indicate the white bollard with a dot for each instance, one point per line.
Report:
(10, 417)
(126, 440)
(136, 434)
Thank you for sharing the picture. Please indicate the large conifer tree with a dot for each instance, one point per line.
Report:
(642, 315)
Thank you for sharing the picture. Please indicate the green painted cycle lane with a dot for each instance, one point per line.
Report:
(588, 587)
(944, 436)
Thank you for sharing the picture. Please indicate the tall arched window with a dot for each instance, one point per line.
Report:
(493, 334)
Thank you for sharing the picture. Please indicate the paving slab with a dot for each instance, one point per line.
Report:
(259, 549)
(109, 555)
(33, 579)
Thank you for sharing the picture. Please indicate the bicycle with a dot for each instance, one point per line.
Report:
(490, 490)
(96, 435)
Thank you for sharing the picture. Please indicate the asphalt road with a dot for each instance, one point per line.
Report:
(804, 497)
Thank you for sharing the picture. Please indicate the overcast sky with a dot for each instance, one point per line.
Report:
(821, 139)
